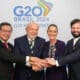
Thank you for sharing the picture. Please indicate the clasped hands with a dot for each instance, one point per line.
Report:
(39, 64)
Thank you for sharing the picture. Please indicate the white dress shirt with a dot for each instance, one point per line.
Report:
(27, 57)
(75, 40)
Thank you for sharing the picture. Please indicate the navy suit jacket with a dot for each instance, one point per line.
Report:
(56, 73)
(73, 59)
(21, 47)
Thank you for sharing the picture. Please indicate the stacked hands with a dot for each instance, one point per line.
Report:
(39, 64)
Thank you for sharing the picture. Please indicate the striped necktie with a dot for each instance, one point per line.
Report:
(31, 45)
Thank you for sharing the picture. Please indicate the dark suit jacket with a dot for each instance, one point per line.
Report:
(21, 47)
(73, 59)
(56, 73)
(6, 62)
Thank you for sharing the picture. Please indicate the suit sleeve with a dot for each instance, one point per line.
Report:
(9, 56)
(69, 58)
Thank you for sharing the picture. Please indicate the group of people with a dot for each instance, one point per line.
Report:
(37, 59)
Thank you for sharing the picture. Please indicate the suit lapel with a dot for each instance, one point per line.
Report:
(77, 43)
(75, 46)
(35, 46)
(70, 46)
(1, 44)
(9, 46)
(26, 46)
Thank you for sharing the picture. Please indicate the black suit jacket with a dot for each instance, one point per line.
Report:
(21, 47)
(6, 61)
(73, 59)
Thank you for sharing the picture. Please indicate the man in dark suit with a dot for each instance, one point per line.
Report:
(72, 53)
(6, 53)
(29, 45)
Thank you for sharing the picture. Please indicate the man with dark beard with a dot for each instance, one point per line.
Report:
(72, 53)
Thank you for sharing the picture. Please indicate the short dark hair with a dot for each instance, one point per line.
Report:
(74, 21)
(5, 23)
(52, 25)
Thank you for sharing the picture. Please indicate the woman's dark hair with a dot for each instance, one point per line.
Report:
(54, 25)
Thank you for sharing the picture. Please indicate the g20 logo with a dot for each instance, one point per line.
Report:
(27, 11)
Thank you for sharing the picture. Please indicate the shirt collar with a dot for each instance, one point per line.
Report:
(3, 41)
(29, 39)
(77, 38)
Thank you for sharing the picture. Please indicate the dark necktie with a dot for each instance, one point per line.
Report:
(5, 45)
(52, 50)
(31, 45)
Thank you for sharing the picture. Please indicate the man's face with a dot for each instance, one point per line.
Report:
(5, 32)
(75, 30)
(32, 30)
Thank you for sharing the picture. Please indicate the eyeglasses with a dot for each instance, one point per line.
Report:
(6, 31)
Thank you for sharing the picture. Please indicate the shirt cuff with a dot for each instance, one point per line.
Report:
(57, 64)
(27, 61)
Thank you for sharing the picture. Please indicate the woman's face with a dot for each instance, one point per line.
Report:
(52, 32)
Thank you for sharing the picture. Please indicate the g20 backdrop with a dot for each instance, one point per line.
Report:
(45, 12)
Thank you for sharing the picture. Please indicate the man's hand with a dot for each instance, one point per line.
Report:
(33, 59)
(50, 62)
(40, 66)
(37, 68)
(37, 63)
